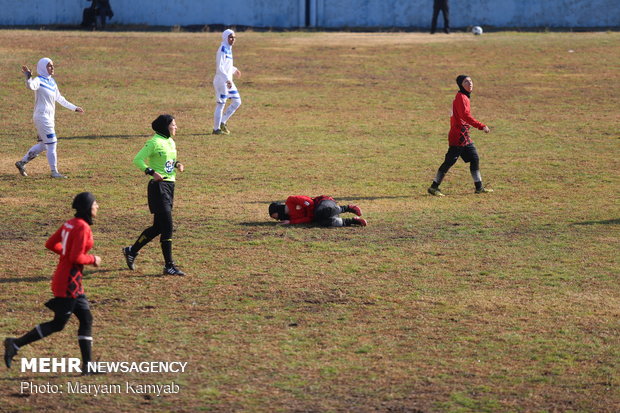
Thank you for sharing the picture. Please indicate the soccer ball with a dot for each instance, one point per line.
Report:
(477, 30)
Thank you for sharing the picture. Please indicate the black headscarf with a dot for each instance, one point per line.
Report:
(160, 125)
(82, 203)
(278, 208)
(459, 82)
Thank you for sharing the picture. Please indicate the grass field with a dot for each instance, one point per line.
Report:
(502, 303)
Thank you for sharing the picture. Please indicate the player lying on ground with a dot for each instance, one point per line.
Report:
(321, 210)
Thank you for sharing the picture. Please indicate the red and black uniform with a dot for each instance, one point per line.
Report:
(72, 242)
(459, 141)
(321, 210)
(461, 120)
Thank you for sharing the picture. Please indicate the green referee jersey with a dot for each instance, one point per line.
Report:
(160, 154)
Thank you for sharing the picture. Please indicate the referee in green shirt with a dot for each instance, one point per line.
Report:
(158, 158)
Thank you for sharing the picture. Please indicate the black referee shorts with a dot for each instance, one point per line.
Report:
(161, 196)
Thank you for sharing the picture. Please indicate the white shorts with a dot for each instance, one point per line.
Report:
(45, 130)
(222, 92)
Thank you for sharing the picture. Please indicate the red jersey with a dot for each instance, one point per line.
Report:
(460, 121)
(300, 209)
(72, 241)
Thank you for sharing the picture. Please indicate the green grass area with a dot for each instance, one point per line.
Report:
(507, 302)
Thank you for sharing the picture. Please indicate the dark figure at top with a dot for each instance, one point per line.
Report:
(102, 10)
(441, 5)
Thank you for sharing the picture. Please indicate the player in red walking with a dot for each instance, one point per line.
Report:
(72, 242)
(459, 140)
(321, 210)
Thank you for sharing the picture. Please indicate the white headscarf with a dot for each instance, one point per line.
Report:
(225, 35)
(42, 67)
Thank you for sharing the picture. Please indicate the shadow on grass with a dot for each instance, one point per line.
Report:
(615, 221)
(22, 279)
(259, 224)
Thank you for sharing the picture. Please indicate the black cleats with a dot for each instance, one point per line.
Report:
(172, 269)
(9, 351)
(129, 258)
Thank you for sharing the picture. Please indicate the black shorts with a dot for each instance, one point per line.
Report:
(161, 196)
(467, 153)
(68, 305)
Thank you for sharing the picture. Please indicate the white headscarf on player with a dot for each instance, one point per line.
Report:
(225, 35)
(42, 67)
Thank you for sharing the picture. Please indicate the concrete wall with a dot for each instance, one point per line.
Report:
(323, 13)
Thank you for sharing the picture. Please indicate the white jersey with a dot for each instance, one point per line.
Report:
(46, 94)
(224, 68)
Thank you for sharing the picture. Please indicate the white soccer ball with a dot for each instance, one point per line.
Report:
(477, 30)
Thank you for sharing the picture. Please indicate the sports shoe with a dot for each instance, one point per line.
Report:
(435, 191)
(358, 221)
(355, 209)
(483, 190)
(21, 166)
(9, 351)
(173, 270)
(224, 129)
(58, 175)
(130, 258)
(217, 132)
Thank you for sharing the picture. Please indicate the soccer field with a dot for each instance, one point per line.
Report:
(502, 302)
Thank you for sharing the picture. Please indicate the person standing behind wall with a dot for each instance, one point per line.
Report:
(441, 5)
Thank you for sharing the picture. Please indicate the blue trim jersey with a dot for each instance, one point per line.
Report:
(45, 97)
(224, 68)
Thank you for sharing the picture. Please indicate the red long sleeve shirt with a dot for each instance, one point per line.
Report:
(300, 209)
(460, 121)
(72, 241)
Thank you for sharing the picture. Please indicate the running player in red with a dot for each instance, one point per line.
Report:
(459, 140)
(72, 242)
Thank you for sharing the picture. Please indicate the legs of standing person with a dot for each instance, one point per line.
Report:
(85, 330)
(164, 222)
(146, 236)
(155, 200)
(435, 15)
(221, 95)
(450, 159)
(47, 141)
(235, 97)
(470, 154)
(446, 17)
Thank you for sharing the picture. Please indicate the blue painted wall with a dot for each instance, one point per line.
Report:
(323, 13)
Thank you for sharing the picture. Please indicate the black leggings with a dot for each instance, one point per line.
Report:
(327, 214)
(63, 309)
(162, 224)
(467, 153)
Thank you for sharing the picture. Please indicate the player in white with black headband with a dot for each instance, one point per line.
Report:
(46, 94)
(223, 84)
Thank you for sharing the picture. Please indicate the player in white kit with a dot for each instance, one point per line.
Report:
(46, 94)
(223, 84)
